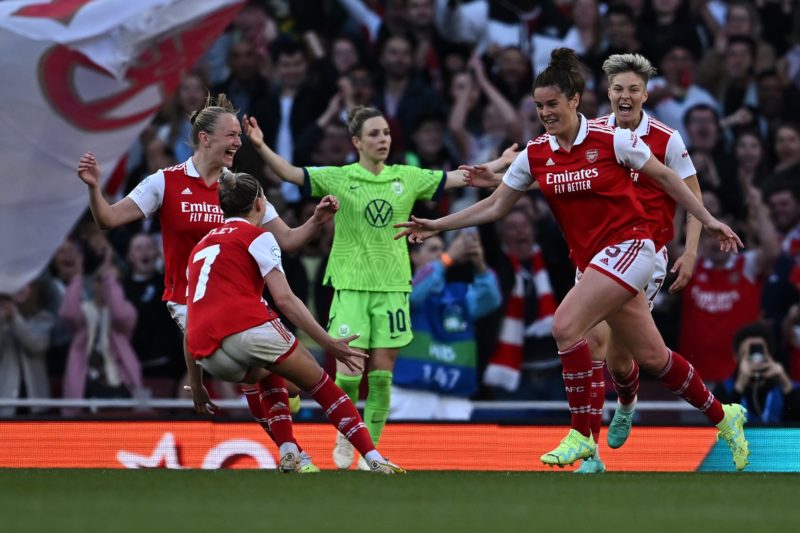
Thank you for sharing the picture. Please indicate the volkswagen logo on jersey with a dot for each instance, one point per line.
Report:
(378, 213)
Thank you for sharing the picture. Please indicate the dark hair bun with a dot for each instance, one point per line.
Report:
(565, 59)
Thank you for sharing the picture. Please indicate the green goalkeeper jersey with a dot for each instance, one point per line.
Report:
(365, 256)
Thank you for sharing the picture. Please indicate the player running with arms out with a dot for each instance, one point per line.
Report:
(583, 172)
(628, 75)
(235, 336)
(368, 269)
(186, 199)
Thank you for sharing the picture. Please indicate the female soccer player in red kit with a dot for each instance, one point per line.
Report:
(186, 199)
(581, 170)
(628, 75)
(233, 333)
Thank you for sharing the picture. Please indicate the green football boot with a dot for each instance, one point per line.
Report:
(572, 448)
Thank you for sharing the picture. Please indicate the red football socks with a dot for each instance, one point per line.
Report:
(597, 398)
(628, 387)
(342, 413)
(680, 377)
(251, 394)
(275, 404)
(576, 362)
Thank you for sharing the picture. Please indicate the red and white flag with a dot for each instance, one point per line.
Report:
(81, 75)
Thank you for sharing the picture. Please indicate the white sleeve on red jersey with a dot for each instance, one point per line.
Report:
(270, 214)
(518, 176)
(677, 157)
(266, 252)
(751, 270)
(630, 150)
(149, 194)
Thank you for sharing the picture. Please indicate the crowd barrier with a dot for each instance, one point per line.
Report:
(211, 445)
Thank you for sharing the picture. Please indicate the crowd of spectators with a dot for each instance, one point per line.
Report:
(453, 78)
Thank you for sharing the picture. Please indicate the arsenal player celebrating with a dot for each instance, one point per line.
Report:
(581, 169)
(185, 197)
(234, 335)
(628, 75)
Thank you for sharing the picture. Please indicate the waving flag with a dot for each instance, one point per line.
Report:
(81, 75)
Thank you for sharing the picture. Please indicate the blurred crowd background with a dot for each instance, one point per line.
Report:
(454, 80)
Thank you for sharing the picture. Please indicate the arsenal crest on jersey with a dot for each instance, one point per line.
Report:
(591, 155)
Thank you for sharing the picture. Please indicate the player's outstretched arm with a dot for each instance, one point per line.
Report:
(106, 215)
(481, 176)
(298, 313)
(285, 170)
(464, 176)
(293, 239)
(674, 186)
(684, 265)
(492, 208)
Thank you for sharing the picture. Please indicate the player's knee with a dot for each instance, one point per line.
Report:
(598, 343)
(653, 360)
(619, 369)
(564, 331)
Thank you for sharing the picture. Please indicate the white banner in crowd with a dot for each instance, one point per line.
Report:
(81, 75)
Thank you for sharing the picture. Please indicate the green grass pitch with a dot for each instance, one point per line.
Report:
(172, 501)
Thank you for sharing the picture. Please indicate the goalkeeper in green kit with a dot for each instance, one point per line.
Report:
(369, 270)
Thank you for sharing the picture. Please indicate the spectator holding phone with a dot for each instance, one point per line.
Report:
(435, 374)
(725, 293)
(759, 382)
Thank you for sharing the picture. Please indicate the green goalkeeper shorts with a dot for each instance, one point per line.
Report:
(380, 318)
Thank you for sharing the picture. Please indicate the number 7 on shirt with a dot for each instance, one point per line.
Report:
(208, 256)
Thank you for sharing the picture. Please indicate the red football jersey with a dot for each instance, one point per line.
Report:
(667, 146)
(588, 188)
(715, 304)
(187, 209)
(226, 282)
